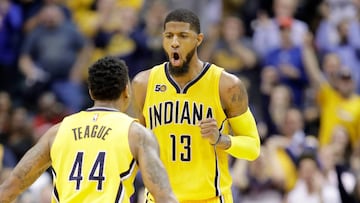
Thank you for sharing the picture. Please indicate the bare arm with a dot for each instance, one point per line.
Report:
(139, 86)
(145, 149)
(244, 143)
(30, 167)
(311, 64)
(245, 54)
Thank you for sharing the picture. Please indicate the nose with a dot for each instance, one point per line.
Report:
(175, 42)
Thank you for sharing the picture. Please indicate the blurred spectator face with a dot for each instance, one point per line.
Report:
(281, 96)
(129, 19)
(232, 29)
(293, 122)
(326, 155)
(258, 167)
(331, 65)
(105, 5)
(285, 24)
(5, 102)
(20, 122)
(285, 36)
(51, 16)
(307, 170)
(156, 14)
(284, 8)
(344, 82)
(343, 30)
(340, 136)
(340, 140)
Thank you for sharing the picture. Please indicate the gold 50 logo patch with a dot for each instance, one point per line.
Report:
(160, 88)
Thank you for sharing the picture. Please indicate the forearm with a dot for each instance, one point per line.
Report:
(156, 180)
(10, 189)
(247, 56)
(30, 167)
(245, 141)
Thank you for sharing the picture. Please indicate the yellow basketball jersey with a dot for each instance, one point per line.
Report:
(91, 158)
(197, 170)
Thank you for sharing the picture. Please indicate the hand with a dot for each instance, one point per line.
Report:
(289, 71)
(209, 130)
(36, 75)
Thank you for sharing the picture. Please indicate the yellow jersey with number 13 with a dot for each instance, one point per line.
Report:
(196, 169)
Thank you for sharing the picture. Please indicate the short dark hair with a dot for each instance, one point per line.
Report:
(184, 15)
(107, 78)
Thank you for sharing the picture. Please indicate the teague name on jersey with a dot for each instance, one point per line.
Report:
(93, 131)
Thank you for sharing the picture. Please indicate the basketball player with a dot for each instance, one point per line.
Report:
(94, 153)
(191, 105)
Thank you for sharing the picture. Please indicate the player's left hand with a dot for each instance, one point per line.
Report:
(209, 130)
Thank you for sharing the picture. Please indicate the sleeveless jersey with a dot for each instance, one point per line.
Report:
(196, 169)
(91, 158)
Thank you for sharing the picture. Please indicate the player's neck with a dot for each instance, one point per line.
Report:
(107, 104)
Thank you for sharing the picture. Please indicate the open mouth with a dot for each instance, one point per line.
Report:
(175, 61)
(176, 56)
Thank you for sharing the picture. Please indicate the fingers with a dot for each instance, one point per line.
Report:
(209, 129)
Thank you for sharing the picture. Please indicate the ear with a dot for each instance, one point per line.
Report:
(91, 96)
(127, 91)
(200, 38)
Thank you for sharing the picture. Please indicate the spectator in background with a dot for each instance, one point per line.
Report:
(339, 104)
(275, 105)
(310, 187)
(335, 161)
(287, 146)
(32, 13)
(287, 63)
(10, 39)
(49, 112)
(52, 58)
(341, 9)
(20, 132)
(260, 181)
(267, 30)
(148, 38)
(5, 113)
(356, 193)
(233, 50)
(344, 40)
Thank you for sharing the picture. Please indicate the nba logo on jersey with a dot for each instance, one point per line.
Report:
(160, 88)
(95, 117)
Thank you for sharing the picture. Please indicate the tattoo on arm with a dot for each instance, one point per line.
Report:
(238, 100)
(153, 171)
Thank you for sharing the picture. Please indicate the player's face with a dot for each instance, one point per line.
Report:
(179, 43)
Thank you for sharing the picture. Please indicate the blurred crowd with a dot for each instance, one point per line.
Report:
(299, 59)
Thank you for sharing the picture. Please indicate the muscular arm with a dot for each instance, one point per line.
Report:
(30, 167)
(139, 86)
(145, 149)
(244, 142)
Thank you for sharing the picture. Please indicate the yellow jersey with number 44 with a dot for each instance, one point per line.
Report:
(91, 157)
(196, 169)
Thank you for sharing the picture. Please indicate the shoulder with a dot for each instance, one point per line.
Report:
(233, 94)
(141, 78)
(50, 134)
(140, 137)
(228, 81)
(137, 130)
